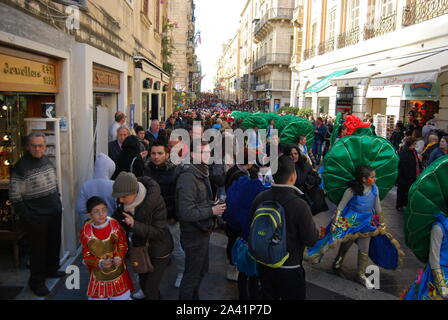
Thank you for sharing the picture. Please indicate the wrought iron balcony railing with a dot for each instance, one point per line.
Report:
(273, 58)
(422, 10)
(327, 46)
(381, 26)
(309, 53)
(349, 38)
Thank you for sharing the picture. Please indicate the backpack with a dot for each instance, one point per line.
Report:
(267, 237)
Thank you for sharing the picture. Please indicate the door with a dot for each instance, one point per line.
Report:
(154, 107)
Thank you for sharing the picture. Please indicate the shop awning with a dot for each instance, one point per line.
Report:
(364, 73)
(326, 82)
(422, 70)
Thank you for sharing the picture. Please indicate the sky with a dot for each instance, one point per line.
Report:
(218, 21)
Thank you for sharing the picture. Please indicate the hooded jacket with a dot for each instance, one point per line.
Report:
(99, 186)
(130, 151)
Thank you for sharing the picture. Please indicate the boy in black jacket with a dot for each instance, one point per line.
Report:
(288, 281)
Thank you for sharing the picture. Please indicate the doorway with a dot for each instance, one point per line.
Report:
(145, 111)
(154, 107)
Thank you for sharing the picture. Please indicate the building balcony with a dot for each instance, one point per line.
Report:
(381, 26)
(297, 17)
(273, 58)
(263, 26)
(273, 85)
(422, 10)
(327, 46)
(309, 53)
(349, 38)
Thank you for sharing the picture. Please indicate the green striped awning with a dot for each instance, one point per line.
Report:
(326, 82)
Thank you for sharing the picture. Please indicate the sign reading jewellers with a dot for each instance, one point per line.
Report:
(19, 74)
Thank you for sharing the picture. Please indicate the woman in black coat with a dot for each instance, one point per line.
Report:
(142, 212)
(397, 136)
(130, 159)
(409, 169)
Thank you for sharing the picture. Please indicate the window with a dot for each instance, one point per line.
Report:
(354, 14)
(331, 24)
(157, 26)
(387, 7)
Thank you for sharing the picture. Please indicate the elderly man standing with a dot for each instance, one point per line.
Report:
(120, 120)
(34, 193)
(114, 147)
(152, 134)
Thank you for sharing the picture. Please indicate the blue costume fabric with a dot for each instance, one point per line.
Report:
(359, 220)
(240, 197)
(424, 287)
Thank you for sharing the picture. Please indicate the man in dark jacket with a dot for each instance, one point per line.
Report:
(195, 210)
(320, 132)
(288, 281)
(34, 193)
(152, 134)
(143, 214)
(162, 170)
(115, 147)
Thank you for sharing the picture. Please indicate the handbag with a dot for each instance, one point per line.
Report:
(140, 260)
(316, 200)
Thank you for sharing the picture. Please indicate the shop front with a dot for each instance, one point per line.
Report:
(421, 101)
(150, 98)
(106, 87)
(29, 89)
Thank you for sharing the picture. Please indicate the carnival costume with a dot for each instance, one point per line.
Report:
(359, 217)
(426, 232)
(101, 243)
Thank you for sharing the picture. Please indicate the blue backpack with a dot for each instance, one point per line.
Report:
(267, 237)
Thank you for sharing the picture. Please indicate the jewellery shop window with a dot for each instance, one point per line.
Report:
(14, 108)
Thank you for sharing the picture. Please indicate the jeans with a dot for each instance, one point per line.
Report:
(178, 254)
(317, 150)
(196, 246)
(150, 282)
(284, 284)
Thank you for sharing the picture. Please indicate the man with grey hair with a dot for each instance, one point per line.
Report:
(120, 120)
(35, 196)
(433, 144)
(152, 134)
(114, 147)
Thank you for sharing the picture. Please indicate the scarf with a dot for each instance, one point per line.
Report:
(140, 197)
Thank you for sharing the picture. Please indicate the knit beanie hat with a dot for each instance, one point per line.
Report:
(125, 184)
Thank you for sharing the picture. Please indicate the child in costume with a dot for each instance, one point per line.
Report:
(431, 284)
(358, 218)
(104, 250)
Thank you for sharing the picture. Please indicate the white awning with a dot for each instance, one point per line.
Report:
(422, 70)
(365, 72)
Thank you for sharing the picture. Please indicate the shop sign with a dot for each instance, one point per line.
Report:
(105, 80)
(376, 92)
(18, 74)
(421, 91)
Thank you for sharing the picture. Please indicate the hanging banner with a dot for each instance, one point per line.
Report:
(131, 115)
(421, 91)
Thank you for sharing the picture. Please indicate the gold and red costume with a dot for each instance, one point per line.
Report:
(101, 244)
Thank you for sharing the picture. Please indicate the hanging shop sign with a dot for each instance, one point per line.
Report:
(421, 91)
(19, 74)
(105, 80)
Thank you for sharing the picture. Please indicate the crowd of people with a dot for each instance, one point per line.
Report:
(140, 210)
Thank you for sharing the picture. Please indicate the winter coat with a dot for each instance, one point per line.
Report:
(150, 223)
(194, 200)
(436, 154)
(130, 156)
(396, 138)
(114, 150)
(99, 186)
(407, 168)
(165, 175)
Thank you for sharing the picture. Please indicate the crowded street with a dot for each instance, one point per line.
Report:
(245, 151)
